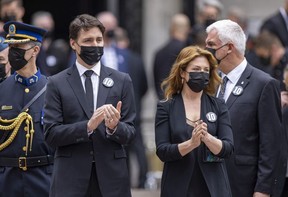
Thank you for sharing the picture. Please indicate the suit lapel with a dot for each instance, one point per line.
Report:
(75, 82)
(242, 82)
(103, 90)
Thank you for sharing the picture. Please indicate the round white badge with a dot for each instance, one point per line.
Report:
(211, 117)
(238, 90)
(108, 82)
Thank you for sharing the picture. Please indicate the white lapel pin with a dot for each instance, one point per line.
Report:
(108, 82)
(238, 90)
(211, 117)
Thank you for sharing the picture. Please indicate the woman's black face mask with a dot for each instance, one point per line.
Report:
(16, 57)
(198, 81)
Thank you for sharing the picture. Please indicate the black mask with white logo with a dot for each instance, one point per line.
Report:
(198, 81)
(91, 54)
(16, 57)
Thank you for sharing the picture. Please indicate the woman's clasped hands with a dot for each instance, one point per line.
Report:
(199, 133)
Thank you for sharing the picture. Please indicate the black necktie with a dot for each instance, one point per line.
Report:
(89, 89)
(223, 88)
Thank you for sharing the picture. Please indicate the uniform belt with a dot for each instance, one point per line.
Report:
(25, 162)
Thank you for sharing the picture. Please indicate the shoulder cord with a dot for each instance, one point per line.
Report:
(16, 123)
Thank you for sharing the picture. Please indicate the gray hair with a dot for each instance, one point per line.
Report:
(229, 31)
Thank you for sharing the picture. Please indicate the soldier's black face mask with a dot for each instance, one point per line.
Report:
(91, 54)
(16, 57)
(198, 81)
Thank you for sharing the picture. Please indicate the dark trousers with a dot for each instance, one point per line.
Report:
(93, 188)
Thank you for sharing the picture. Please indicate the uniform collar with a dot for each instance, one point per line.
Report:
(27, 81)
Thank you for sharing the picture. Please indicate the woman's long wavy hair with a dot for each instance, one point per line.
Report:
(173, 84)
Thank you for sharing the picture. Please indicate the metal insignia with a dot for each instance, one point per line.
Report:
(12, 29)
(108, 82)
(6, 107)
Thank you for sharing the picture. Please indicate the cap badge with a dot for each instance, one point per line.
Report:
(12, 29)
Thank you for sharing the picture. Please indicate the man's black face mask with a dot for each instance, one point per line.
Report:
(213, 51)
(91, 54)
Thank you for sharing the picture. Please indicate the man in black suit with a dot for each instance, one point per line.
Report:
(277, 24)
(89, 124)
(253, 100)
(53, 57)
(165, 56)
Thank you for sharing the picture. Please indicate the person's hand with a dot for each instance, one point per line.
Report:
(205, 134)
(197, 134)
(112, 115)
(96, 119)
(259, 194)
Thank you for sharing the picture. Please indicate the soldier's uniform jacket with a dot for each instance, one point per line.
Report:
(28, 176)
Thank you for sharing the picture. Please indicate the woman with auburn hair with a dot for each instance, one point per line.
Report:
(192, 128)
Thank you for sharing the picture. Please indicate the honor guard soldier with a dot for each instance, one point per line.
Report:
(25, 159)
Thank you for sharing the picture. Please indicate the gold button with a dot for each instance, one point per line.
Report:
(27, 90)
(24, 148)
